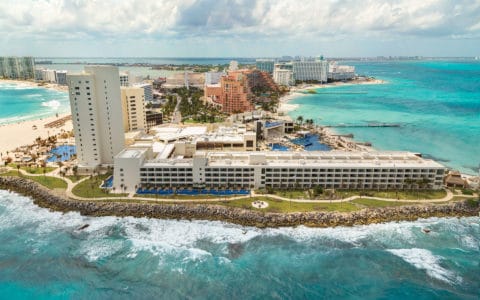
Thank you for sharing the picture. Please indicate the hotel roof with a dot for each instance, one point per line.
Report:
(309, 159)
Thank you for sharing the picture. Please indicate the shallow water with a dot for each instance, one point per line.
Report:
(20, 102)
(437, 104)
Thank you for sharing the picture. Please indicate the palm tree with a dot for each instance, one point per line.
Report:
(300, 120)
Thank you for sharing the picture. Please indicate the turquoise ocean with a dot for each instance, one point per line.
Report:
(437, 104)
(21, 102)
(45, 255)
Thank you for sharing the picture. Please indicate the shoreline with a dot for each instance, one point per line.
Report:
(22, 133)
(296, 92)
(45, 198)
(33, 84)
(16, 135)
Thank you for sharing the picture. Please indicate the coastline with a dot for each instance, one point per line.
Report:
(296, 92)
(30, 83)
(47, 199)
(15, 135)
(328, 135)
(19, 134)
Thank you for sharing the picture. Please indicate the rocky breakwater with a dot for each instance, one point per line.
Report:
(248, 217)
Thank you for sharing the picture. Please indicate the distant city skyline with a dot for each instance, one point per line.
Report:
(248, 28)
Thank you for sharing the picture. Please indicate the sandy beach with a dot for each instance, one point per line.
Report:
(299, 91)
(21, 134)
(329, 136)
(51, 86)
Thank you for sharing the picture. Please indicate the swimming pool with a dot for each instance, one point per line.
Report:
(107, 183)
(279, 147)
(311, 142)
(61, 153)
(193, 192)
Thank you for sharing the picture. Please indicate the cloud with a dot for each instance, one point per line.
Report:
(236, 21)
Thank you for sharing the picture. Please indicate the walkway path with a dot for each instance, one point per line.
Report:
(71, 185)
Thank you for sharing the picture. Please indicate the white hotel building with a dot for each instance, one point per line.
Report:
(133, 108)
(96, 115)
(138, 167)
(316, 70)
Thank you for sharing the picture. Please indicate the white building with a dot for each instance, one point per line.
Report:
(339, 72)
(213, 77)
(266, 65)
(148, 90)
(49, 75)
(96, 115)
(283, 77)
(233, 65)
(310, 70)
(17, 67)
(61, 77)
(124, 79)
(133, 108)
(137, 167)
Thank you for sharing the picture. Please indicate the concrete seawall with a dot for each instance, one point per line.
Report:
(45, 198)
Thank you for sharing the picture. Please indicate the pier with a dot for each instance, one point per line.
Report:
(365, 125)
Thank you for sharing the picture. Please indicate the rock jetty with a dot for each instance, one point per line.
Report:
(45, 198)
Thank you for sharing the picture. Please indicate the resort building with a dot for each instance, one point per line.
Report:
(61, 77)
(153, 118)
(124, 79)
(96, 108)
(236, 91)
(269, 130)
(133, 108)
(232, 94)
(17, 67)
(265, 65)
(213, 77)
(148, 90)
(233, 66)
(49, 75)
(283, 77)
(140, 167)
(185, 79)
(340, 73)
(310, 70)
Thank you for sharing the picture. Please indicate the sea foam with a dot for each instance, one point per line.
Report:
(425, 260)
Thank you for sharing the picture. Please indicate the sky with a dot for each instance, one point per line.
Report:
(239, 28)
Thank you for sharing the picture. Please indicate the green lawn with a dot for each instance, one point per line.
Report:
(379, 203)
(280, 206)
(292, 194)
(47, 181)
(76, 178)
(90, 188)
(33, 170)
(342, 194)
(401, 194)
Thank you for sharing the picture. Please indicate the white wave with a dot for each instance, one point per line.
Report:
(180, 239)
(55, 104)
(33, 95)
(470, 242)
(425, 260)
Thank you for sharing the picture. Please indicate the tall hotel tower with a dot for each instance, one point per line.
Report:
(96, 115)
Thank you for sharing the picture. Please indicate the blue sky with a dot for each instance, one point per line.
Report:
(239, 28)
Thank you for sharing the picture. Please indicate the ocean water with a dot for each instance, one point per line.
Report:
(44, 255)
(437, 104)
(19, 102)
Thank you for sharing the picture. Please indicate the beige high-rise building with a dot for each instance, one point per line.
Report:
(96, 115)
(133, 108)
